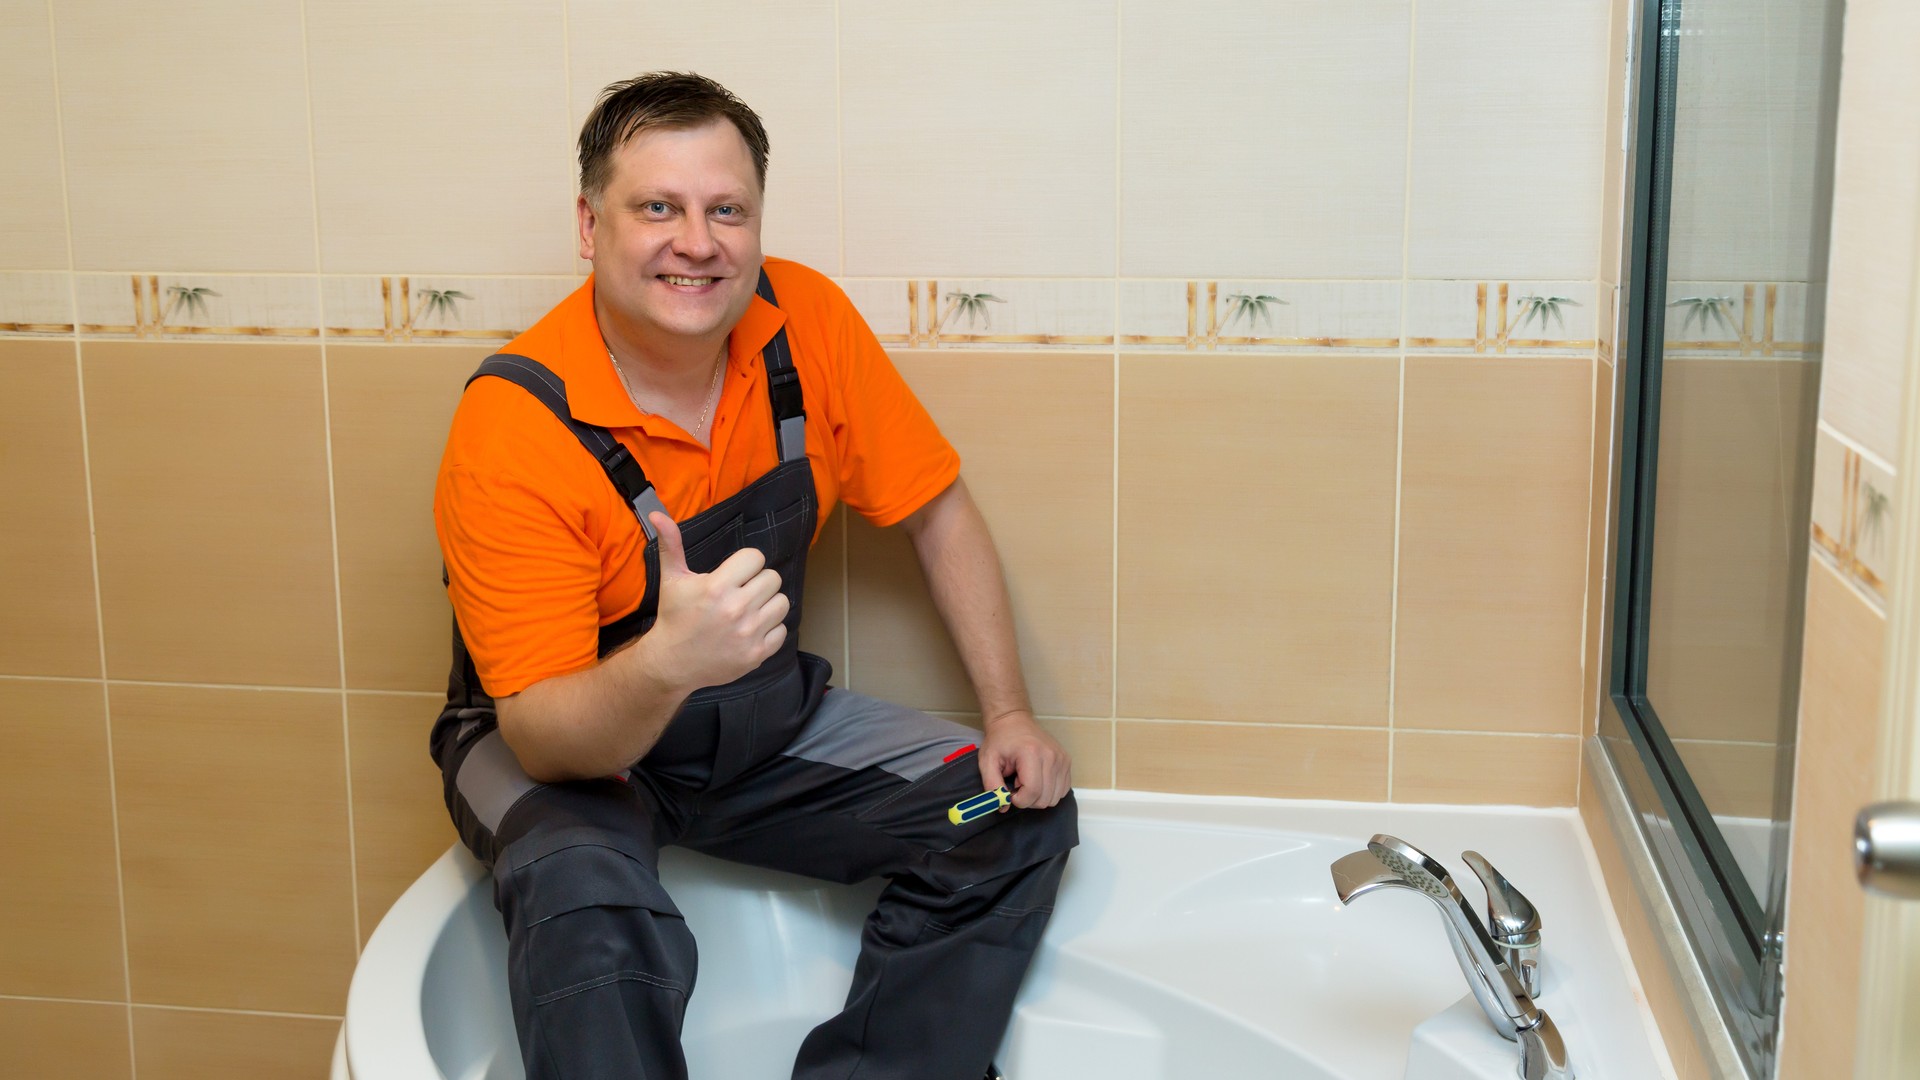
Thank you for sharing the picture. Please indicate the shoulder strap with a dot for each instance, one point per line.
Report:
(783, 386)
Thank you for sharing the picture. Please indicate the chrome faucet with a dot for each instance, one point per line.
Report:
(1502, 969)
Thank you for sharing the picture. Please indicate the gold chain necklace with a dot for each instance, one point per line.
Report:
(712, 399)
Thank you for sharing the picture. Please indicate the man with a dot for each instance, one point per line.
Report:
(625, 506)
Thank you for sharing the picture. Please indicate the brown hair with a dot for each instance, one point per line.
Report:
(660, 99)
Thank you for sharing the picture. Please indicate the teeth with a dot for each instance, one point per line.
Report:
(672, 280)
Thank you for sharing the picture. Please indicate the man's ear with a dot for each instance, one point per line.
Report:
(586, 218)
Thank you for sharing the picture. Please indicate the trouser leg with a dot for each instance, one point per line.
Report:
(864, 791)
(599, 961)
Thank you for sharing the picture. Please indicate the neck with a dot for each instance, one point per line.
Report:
(669, 364)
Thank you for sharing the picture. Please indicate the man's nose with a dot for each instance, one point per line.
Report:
(694, 239)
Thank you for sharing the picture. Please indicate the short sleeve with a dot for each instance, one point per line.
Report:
(893, 457)
(523, 579)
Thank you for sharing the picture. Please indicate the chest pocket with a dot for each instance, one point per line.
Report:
(782, 534)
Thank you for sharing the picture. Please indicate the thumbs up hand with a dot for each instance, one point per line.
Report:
(713, 628)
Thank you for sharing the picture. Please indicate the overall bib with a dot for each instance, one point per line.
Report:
(775, 769)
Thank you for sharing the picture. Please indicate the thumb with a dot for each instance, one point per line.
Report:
(673, 557)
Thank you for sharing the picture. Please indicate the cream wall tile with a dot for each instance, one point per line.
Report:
(1256, 537)
(978, 139)
(46, 555)
(1729, 525)
(1620, 26)
(177, 1044)
(779, 59)
(1508, 122)
(1875, 213)
(60, 915)
(1253, 759)
(36, 303)
(210, 512)
(391, 406)
(400, 822)
(1035, 437)
(440, 137)
(1833, 769)
(1508, 770)
(61, 1040)
(33, 216)
(243, 901)
(1493, 543)
(210, 174)
(823, 624)
(1295, 115)
(1651, 964)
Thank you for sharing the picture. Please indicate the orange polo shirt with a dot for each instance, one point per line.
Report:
(540, 549)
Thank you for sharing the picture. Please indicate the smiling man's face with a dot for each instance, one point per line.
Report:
(675, 243)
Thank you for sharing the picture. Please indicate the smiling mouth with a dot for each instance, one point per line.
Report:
(675, 279)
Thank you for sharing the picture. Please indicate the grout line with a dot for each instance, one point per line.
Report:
(1332, 727)
(333, 509)
(1400, 403)
(1113, 595)
(93, 547)
(1589, 650)
(840, 144)
(170, 1008)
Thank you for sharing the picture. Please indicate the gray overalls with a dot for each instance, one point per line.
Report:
(776, 769)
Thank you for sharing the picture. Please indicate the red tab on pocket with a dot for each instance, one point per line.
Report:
(965, 749)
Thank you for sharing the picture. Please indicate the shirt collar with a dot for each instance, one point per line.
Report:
(595, 394)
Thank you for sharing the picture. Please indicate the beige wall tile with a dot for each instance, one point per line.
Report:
(823, 623)
(778, 58)
(1298, 111)
(60, 914)
(1493, 544)
(1508, 118)
(1650, 961)
(978, 137)
(33, 216)
(1256, 537)
(62, 1040)
(1600, 549)
(1251, 759)
(233, 830)
(400, 822)
(440, 137)
(1729, 527)
(1876, 172)
(1090, 744)
(390, 407)
(50, 623)
(1734, 779)
(210, 174)
(183, 1044)
(210, 508)
(1035, 435)
(1510, 770)
(1833, 772)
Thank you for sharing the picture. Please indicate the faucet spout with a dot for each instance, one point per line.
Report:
(1391, 863)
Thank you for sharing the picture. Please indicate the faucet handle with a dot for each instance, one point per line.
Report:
(1512, 921)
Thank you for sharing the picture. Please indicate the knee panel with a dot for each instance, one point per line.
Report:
(588, 915)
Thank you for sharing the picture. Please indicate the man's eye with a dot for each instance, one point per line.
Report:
(656, 208)
(727, 211)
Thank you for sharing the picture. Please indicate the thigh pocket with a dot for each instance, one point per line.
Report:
(593, 916)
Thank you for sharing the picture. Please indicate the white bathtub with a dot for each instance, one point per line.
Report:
(1193, 938)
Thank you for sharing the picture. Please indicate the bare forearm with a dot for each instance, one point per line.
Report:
(969, 590)
(590, 723)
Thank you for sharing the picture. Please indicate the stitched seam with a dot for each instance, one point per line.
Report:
(891, 799)
(999, 913)
(607, 980)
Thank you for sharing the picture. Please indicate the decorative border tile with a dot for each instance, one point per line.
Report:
(425, 308)
(890, 306)
(1738, 318)
(1247, 315)
(1502, 317)
(188, 306)
(36, 303)
(1852, 513)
